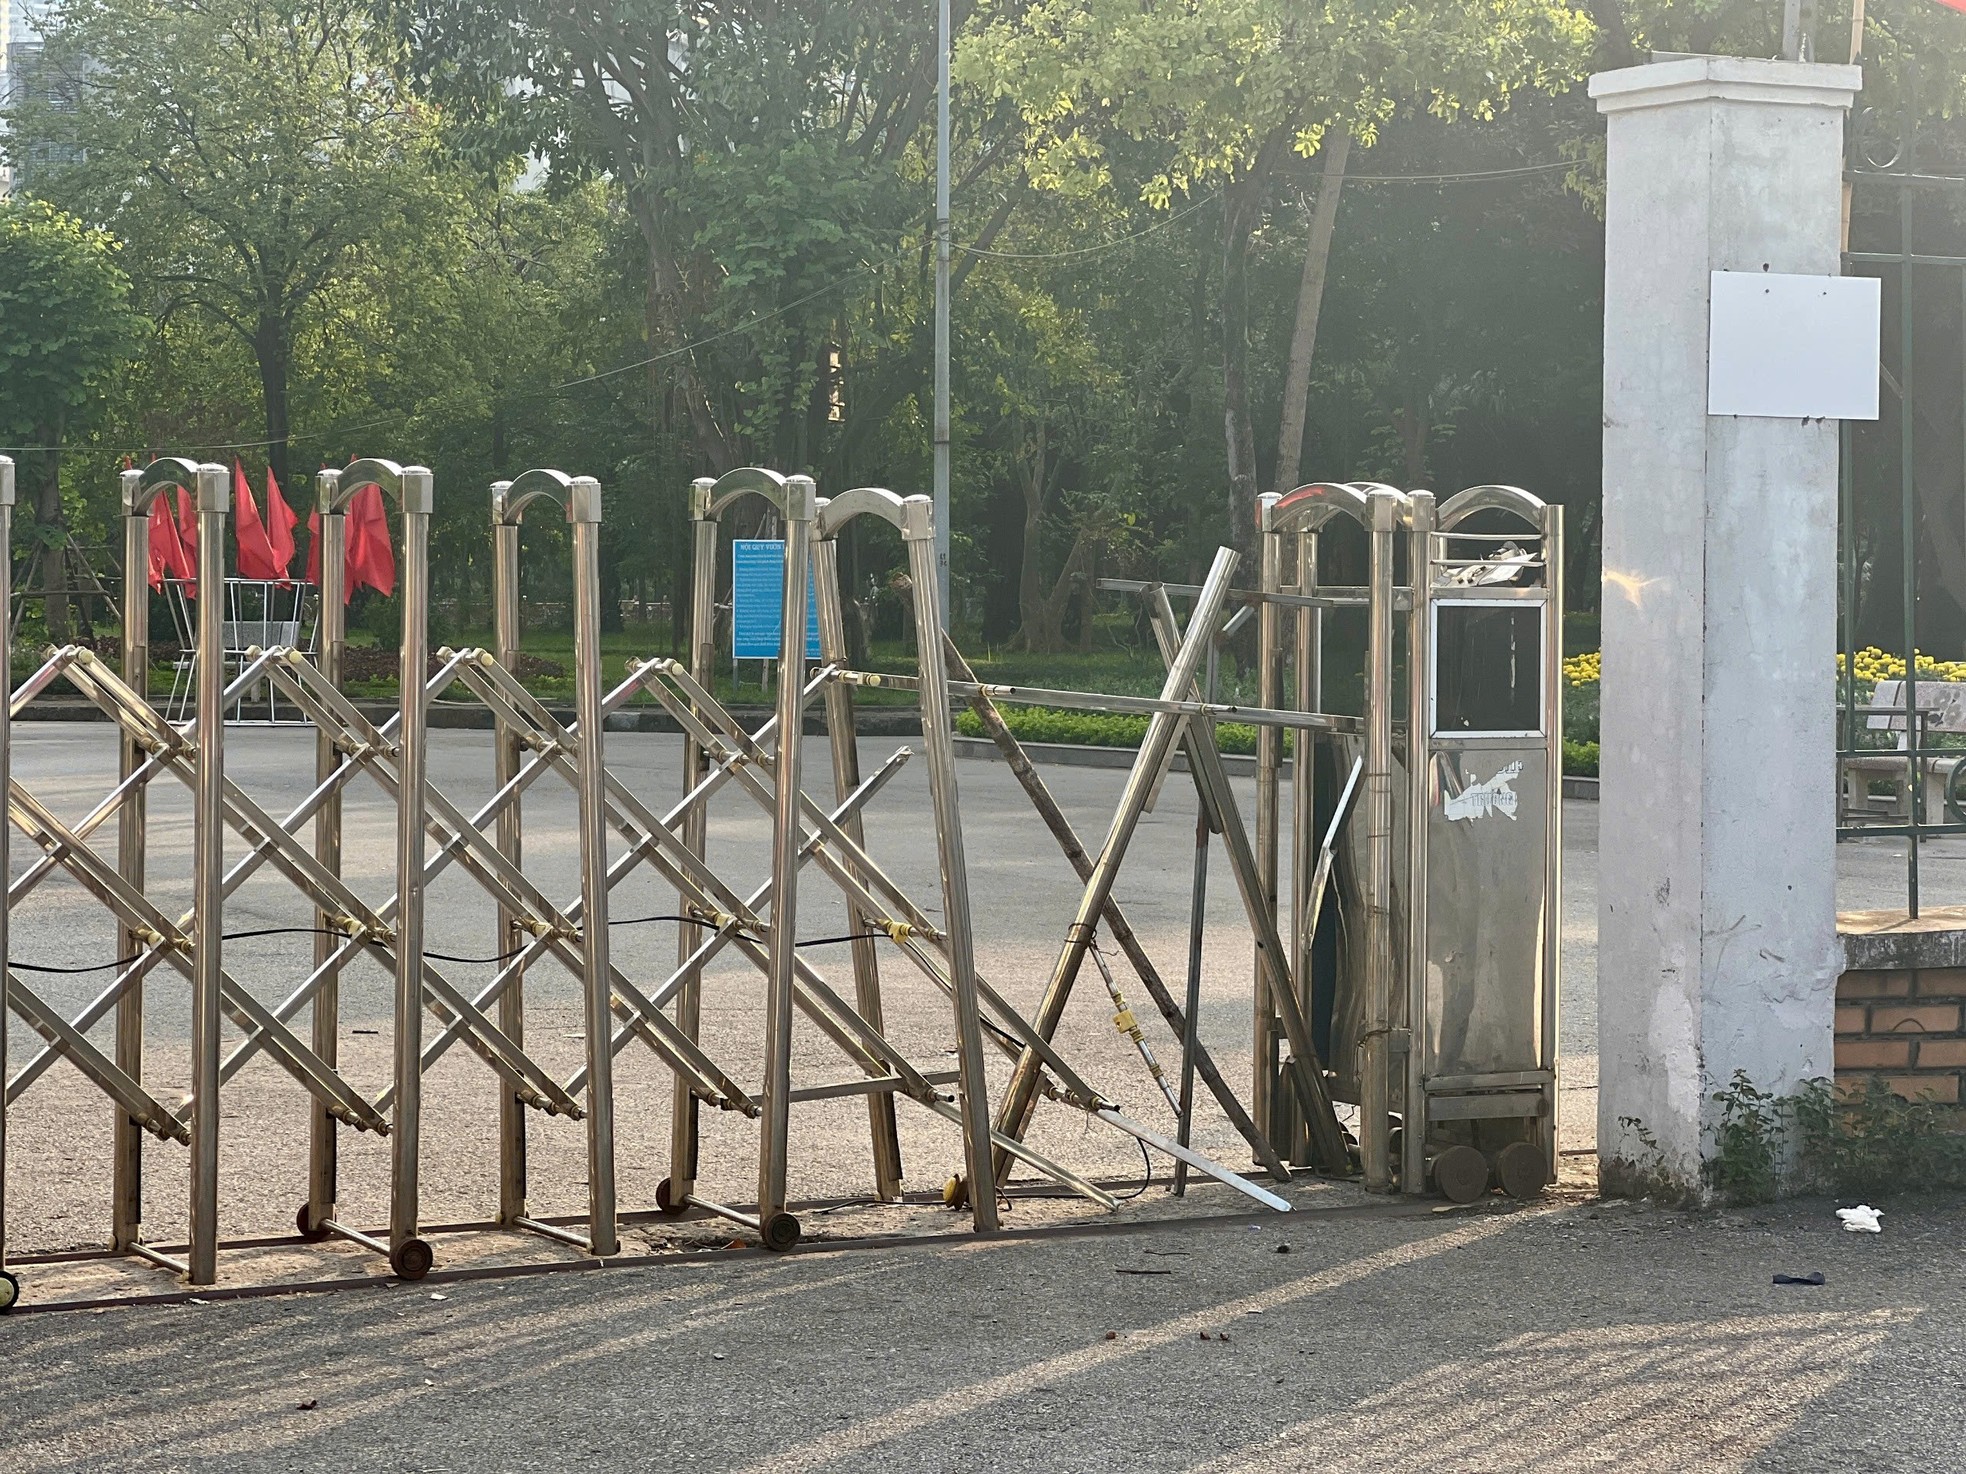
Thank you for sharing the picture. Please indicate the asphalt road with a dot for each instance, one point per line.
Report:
(1023, 894)
(1573, 1336)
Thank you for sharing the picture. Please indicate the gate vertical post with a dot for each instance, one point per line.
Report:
(801, 506)
(411, 770)
(6, 824)
(1419, 808)
(1270, 1102)
(584, 513)
(509, 838)
(696, 822)
(126, 1149)
(938, 739)
(1307, 628)
(331, 640)
(1375, 1083)
(1553, 579)
(846, 778)
(208, 871)
(1717, 904)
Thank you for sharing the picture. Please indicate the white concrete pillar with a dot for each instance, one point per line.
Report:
(1717, 892)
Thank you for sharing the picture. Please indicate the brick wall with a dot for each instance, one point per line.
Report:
(1905, 1026)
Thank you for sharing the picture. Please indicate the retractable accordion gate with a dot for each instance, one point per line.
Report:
(619, 835)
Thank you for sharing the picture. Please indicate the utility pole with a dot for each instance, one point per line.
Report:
(941, 485)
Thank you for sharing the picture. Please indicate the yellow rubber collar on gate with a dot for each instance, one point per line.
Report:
(900, 931)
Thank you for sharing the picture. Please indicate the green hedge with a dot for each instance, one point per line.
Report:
(1094, 728)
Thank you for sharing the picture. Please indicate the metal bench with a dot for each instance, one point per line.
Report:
(1941, 707)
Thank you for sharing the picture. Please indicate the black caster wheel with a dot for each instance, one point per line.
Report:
(781, 1232)
(411, 1259)
(1522, 1169)
(1460, 1174)
(313, 1233)
(666, 1203)
(9, 1291)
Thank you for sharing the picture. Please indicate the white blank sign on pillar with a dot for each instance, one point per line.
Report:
(1793, 347)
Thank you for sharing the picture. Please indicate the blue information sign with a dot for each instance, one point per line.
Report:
(757, 600)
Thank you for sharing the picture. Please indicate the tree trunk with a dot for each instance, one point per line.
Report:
(1089, 597)
(1046, 631)
(1032, 474)
(1241, 205)
(665, 287)
(499, 450)
(273, 348)
(1310, 301)
(1415, 428)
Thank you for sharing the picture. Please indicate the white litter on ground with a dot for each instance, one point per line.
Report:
(1861, 1219)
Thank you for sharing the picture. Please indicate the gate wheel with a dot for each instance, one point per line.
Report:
(1522, 1170)
(9, 1291)
(1461, 1174)
(411, 1259)
(781, 1231)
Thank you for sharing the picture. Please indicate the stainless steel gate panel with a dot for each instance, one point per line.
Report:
(1487, 908)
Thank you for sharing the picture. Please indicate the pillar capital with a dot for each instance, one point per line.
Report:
(1681, 80)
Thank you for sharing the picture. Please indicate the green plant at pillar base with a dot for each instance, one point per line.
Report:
(1749, 1143)
(1875, 1141)
(1862, 1143)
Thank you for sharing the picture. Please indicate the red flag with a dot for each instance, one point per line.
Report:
(371, 560)
(314, 547)
(167, 557)
(1954, 4)
(280, 521)
(187, 536)
(256, 558)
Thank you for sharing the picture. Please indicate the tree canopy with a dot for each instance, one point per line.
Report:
(1204, 247)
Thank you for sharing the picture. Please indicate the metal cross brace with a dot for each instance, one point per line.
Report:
(659, 843)
(1212, 788)
(130, 906)
(853, 869)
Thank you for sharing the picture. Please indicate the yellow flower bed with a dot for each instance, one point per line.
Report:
(1872, 665)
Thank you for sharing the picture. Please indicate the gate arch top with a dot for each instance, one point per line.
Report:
(144, 486)
(410, 485)
(1308, 508)
(913, 516)
(1512, 499)
(791, 496)
(578, 496)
